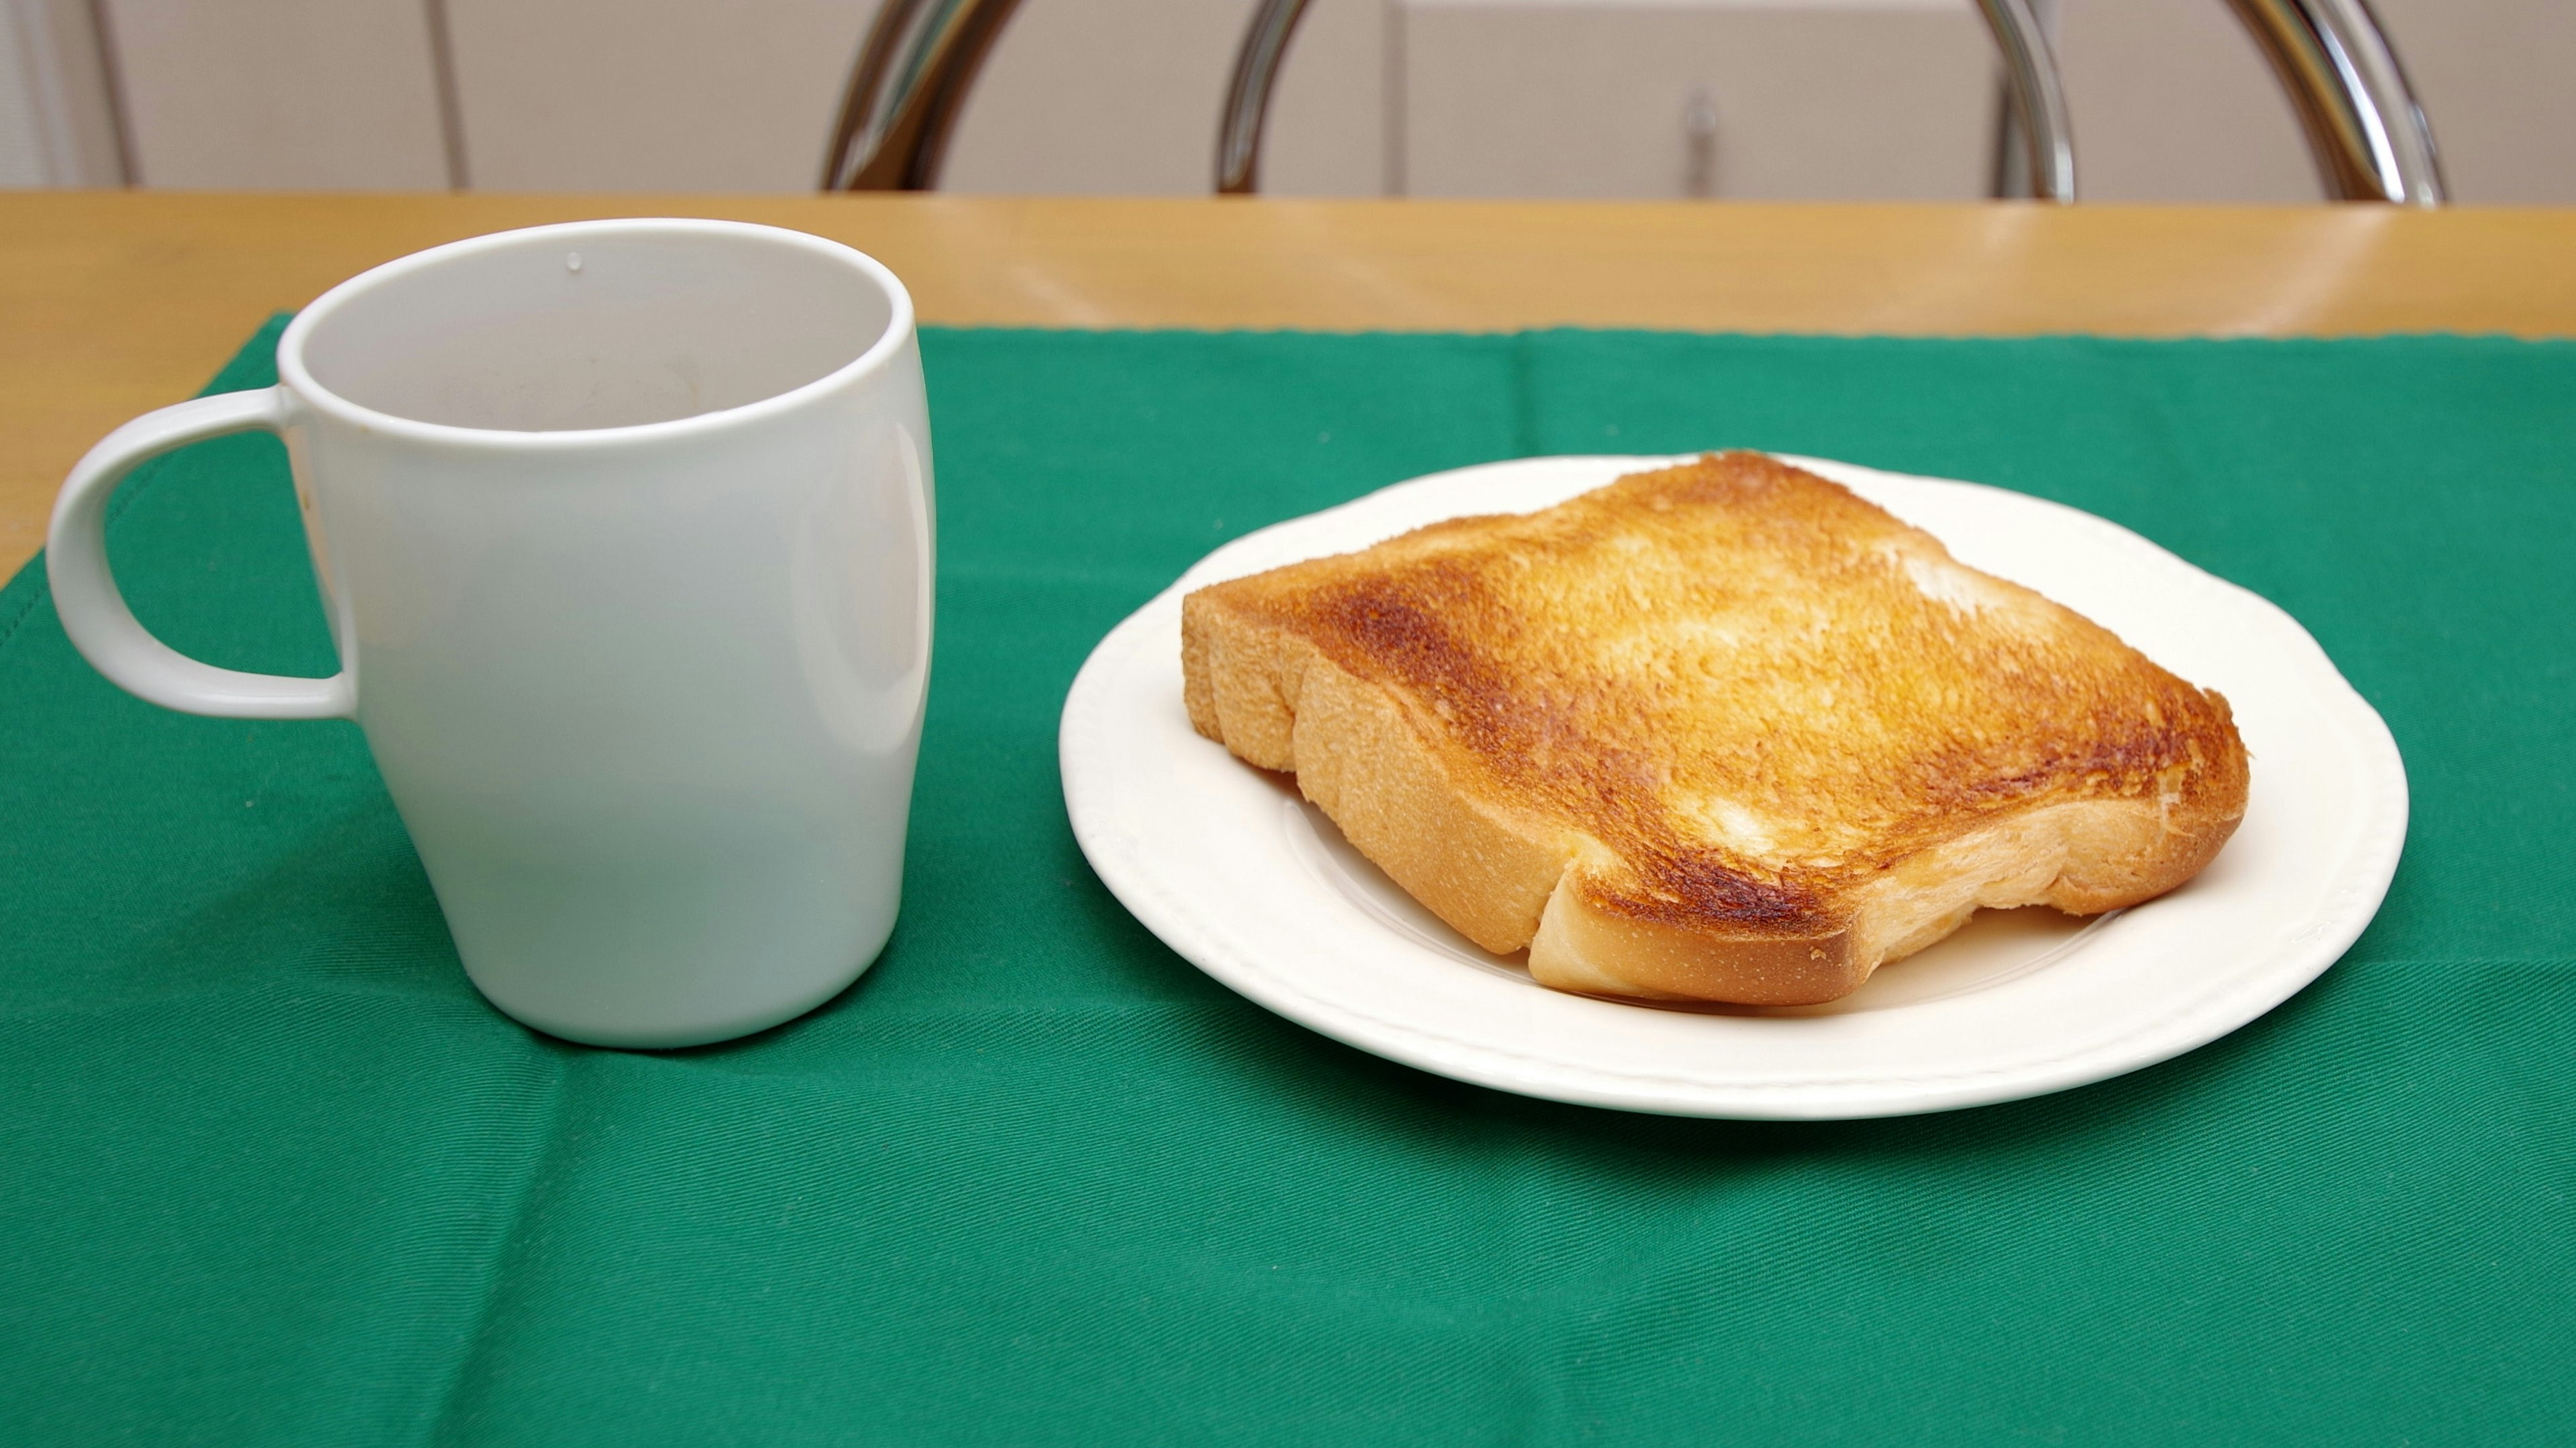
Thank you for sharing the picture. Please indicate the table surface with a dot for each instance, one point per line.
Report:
(112, 303)
(272, 1173)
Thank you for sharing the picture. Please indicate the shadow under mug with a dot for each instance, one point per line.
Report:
(624, 529)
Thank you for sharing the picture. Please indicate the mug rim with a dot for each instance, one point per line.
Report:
(300, 382)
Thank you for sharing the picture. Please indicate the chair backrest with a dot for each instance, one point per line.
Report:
(910, 85)
(2369, 136)
(2365, 129)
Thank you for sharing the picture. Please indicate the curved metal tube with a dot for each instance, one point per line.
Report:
(911, 83)
(2038, 99)
(2369, 137)
(1247, 95)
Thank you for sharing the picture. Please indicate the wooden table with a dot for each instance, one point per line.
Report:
(114, 303)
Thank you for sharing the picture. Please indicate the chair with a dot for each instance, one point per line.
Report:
(2368, 135)
(910, 85)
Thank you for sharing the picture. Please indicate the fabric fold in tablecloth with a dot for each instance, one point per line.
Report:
(270, 1171)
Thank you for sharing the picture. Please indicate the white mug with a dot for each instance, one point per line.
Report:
(624, 531)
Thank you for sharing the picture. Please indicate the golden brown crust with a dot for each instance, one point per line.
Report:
(1721, 731)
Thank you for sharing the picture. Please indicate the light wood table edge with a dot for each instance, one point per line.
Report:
(112, 303)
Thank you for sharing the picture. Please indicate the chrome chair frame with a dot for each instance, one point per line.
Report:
(2364, 126)
(913, 76)
(1247, 95)
(2038, 98)
(2365, 129)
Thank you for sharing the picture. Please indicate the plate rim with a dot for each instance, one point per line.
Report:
(2301, 948)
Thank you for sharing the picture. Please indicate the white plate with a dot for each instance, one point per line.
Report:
(1239, 875)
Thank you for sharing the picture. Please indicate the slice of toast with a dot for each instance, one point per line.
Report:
(1719, 732)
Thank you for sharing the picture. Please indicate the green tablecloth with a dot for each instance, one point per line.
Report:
(271, 1172)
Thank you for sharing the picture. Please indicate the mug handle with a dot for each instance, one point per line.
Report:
(94, 612)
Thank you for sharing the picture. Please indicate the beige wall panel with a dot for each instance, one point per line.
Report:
(651, 95)
(1121, 97)
(22, 137)
(1849, 100)
(279, 94)
(2170, 101)
(65, 93)
(1328, 133)
(1100, 97)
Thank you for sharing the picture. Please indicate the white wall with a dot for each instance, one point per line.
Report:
(306, 94)
(1890, 99)
(1100, 96)
(651, 95)
(1332, 125)
(57, 124)
(22, 137)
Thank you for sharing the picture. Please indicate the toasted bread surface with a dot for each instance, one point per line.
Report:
(1721, 731)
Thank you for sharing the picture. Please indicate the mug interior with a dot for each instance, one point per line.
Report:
(577, 328)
